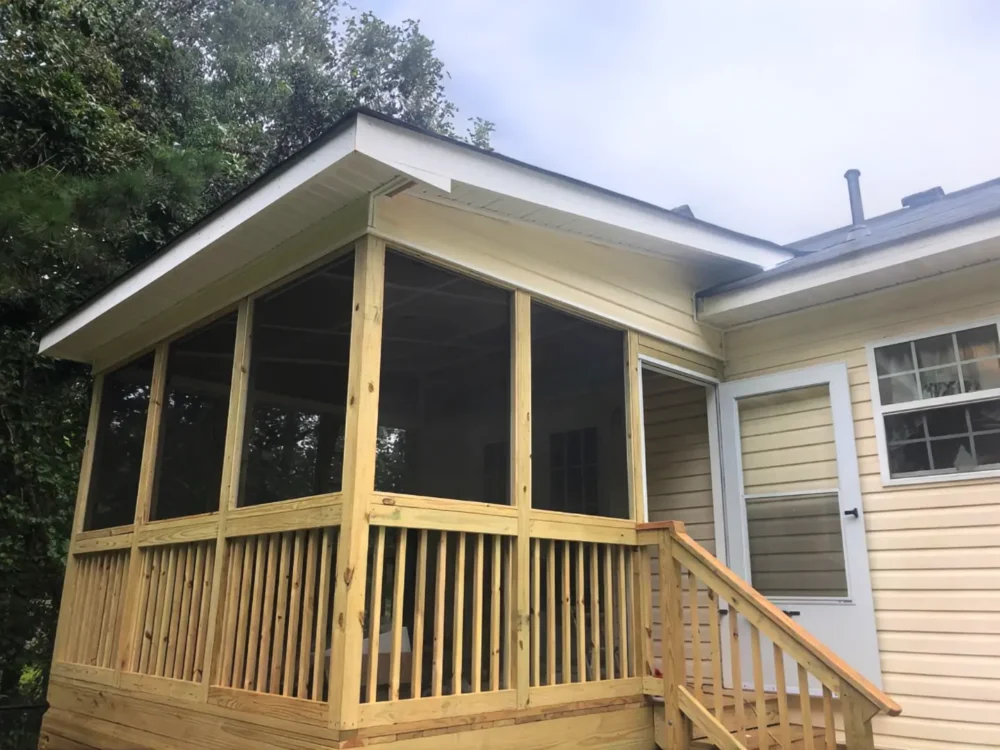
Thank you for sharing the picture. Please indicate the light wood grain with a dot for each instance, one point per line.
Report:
(398, 593)
(375, 617)
(458, 615)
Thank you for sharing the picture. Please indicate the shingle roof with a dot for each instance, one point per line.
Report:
(953, 209)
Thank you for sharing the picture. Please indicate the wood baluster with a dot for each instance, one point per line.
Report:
(107, 617)
(398, 593)
(458, 616)
(609, 617)
(437, 662)
(715, 641)
(187, 589)
(477, 616)
(280, 614)
(567, 638)
(95, 627)
(622, 615)
(536, 603)
(206, 599)
(164, 615)
(419, 606)
(253, 626)
(294, 610)
(785, 727)
(375, 615)
(829, 733)
(581, 618)
(595, 612)
(808, 735)
(696, 664)
(308, 613)
(268, 613)
(495, 618)
(508, 547)
(550, 615)
(763, 739)
(187, 668)
(736, 664)
(243, 616)
(327, 557)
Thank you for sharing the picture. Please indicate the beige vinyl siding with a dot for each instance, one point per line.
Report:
(934, 548)
(677, 356)
(678, 477)
(650, 295)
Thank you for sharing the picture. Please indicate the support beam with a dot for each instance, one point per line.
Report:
(360, 433)
(231, 463)
(520, 442)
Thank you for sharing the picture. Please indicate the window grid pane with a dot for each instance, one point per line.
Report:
(953, 439)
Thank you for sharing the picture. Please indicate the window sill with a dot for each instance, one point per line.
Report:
(963, 478)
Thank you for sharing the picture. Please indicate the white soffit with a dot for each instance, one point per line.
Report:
(852, 275)
(365, 155)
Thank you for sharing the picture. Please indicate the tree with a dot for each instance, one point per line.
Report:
(121, 123)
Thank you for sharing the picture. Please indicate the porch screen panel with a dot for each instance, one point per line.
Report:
(444, 400)
(297, 395)
(193, 423)
(121, 428)
(791, 494)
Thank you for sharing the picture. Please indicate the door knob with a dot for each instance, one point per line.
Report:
(851, 512)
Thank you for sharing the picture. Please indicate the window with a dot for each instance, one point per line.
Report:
(578, 415)
(573, 471)
(445, 384)
(937, 402)
(297, 394)
(121, 429)
(193, 421)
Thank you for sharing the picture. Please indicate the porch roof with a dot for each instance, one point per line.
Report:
(369, 154)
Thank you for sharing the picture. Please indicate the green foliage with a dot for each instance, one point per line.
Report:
(122, 122)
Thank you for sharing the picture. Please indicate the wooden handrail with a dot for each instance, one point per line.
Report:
(816, 657)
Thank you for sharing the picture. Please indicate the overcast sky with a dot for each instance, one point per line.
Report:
(748, 111)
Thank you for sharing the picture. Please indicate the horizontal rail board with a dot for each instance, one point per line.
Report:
(553, 695)
(277, 706)
(421, 709)
(276, 518)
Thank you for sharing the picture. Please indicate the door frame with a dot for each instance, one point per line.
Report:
(715, 456)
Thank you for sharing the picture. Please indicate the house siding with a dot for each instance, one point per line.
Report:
(934, 548)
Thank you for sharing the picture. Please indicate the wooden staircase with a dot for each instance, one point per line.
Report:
(692, 588)
(752, 739)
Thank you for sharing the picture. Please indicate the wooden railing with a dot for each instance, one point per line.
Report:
(693, 588)
(175, 589)
(96, 609)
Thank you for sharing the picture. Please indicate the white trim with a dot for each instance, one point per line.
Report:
(440, 162)
(256, 200)
(855, 273)
(642, 444)
(879, 411)
(682, 373)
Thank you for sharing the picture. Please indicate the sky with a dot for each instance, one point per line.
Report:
(748, 111)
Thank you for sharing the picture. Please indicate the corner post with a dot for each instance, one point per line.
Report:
(520, 442)
(79, 514)
(360, 433)
(635, 457)
(144, 497)
(232, 461)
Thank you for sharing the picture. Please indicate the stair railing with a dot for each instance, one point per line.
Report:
(694, 591)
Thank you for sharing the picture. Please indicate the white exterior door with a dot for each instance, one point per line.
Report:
(795, 528)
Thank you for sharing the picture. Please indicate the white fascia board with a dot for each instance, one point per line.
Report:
(440, 163)
(256, 200)
(847, 275)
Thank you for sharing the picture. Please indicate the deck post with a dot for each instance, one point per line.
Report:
(231, 470)
(128, 636)
(858, 733)
(635, 452)
(521, 487)
(79, 513)
(671, 614)
(360, 432)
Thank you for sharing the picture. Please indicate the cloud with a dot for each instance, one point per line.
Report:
(748, 111)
